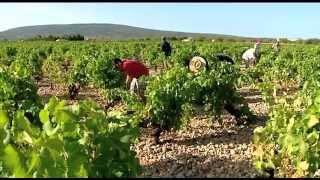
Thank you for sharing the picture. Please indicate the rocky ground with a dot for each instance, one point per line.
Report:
(203, 149)
(61, 92)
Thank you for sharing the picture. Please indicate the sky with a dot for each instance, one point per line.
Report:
(272, 20)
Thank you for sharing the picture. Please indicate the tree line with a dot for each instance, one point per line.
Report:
(69, 37)
(79, 37)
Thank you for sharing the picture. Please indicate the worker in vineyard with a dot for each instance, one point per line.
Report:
(198, 63)
(133, 70)
(276, 45)
(252, 55)
(166, 49)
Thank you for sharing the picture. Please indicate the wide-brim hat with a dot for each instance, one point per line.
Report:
(197, 63)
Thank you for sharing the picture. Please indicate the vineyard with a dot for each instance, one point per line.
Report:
(65, 111)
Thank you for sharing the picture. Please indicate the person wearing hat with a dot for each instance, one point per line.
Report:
(198, 63)
(133, 70)
(166, 49)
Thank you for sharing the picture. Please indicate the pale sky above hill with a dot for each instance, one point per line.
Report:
(291, 20)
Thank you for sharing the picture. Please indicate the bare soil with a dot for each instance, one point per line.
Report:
(204, 148)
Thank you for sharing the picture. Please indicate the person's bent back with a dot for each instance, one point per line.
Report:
(133, 70)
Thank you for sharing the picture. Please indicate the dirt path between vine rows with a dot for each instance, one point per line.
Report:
(204, 149)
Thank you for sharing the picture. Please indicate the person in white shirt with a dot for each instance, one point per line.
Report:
(252, 55)
(276, 45)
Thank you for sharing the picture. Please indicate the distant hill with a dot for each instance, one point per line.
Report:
(106, 31)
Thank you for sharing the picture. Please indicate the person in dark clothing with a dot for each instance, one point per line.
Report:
(166, 49)
(220, 57)
(224, 57)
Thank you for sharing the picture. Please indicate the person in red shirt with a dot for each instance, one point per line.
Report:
(133, 70)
